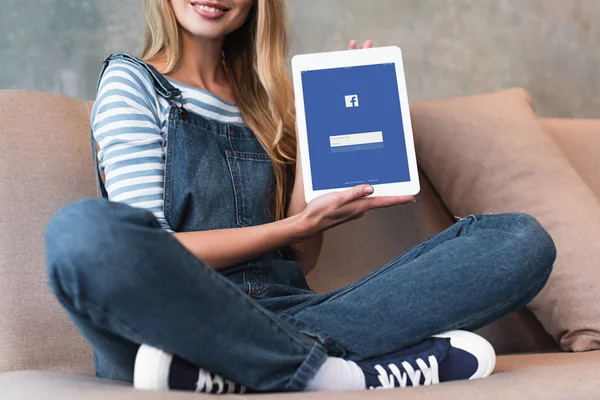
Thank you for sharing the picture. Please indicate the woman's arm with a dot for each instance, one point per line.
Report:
(222, 248)
(226, 247)
(127, 127)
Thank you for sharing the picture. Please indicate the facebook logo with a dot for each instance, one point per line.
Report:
(352, 101)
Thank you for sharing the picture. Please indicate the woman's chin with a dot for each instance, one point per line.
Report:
(213, 32)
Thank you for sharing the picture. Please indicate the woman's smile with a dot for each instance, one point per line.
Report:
(209, 10)
(209, 19)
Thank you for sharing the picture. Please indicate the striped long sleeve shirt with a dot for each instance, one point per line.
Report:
(129, 122)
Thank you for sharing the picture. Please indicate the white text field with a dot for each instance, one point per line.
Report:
(356, 139)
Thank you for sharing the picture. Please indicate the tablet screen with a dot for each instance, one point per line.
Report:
(354, 126)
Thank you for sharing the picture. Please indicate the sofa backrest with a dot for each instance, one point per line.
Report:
(45, 163)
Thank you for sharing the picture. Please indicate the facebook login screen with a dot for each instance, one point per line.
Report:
(354, 125)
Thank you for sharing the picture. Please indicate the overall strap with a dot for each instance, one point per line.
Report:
(163, 88)
(162, 85)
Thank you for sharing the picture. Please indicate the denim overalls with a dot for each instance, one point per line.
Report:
(218, 176)
(125, 281)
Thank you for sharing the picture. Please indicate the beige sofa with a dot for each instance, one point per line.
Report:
(45, 162)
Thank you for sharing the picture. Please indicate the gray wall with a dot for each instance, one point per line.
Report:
(451, 47)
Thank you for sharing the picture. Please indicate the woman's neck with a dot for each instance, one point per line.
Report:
(201, 65)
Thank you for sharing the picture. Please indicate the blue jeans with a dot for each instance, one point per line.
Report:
(124, 281)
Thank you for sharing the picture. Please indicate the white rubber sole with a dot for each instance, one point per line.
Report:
(477, 346)
(151, 370)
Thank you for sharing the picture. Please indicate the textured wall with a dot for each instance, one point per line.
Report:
(451, 47)
(58, 45)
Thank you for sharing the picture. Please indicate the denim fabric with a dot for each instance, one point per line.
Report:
(125, 281)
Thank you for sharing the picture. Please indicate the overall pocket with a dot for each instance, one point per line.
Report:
(253, 183)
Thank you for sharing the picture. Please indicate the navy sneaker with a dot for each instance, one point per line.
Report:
(156, 369)
(450, 356)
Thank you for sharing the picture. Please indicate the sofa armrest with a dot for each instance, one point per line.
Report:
(580, 141)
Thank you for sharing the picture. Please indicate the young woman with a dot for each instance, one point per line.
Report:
(192, 275)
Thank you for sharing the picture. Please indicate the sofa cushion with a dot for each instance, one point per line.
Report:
(45, 163)
(579, 139)
(548, 377)
(490, 154)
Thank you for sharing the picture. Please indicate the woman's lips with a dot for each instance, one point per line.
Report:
(209, 11)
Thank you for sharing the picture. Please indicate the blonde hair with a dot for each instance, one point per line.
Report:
(255, 60)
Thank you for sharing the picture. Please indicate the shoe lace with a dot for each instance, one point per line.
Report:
(430, 374)
(208, 382)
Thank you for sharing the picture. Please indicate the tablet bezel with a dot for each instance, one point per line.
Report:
(354, 58)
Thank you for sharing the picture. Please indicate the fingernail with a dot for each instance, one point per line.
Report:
(414, 201)
(368, 190)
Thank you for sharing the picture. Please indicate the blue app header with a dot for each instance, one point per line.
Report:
(354, 124)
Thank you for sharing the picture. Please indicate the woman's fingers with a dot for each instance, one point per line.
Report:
(385, 201)
(357, 192)
(366, 45)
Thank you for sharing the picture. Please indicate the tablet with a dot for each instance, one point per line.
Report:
(354, 122)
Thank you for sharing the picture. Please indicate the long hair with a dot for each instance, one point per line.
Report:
(255, 57)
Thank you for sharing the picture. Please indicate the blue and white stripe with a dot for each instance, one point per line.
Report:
(129, 122)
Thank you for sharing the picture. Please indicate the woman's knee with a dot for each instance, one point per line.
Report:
(77, 238)
(73, 229)
(69, 238)
(532, 241)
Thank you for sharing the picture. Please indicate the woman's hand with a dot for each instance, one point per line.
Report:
(335, 208)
